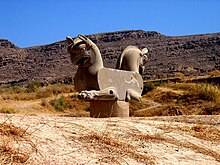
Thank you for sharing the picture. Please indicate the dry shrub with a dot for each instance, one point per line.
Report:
(171, 111)
(180, 86)
(35, 91)
(149, 86)
(167, 110)
(199, 91)
(206, 133)
(214, 73)
(180, 99)
(198, 128)
(115, 149)
(54, 89)
(209, 109)
(12, 90)
(9, 155)
(11, 130)
(203, 98)
(137, 105)
(68, 106)
(199, 149)
(9, 136)
(205, 92)
(7, 110)
(19, 96)
(213, 109)
(45, 102)
(167, 97)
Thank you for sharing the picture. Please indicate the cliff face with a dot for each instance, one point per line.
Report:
(46, 63)
(12, 62)
(191, 55)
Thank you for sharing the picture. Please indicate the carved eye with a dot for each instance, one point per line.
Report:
(111, 92)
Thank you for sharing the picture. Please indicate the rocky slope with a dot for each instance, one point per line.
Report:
(190, 55)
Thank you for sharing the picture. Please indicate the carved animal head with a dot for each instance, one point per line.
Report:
(143, 60)
(79, 51)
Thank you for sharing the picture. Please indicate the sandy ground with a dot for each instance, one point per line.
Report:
(158, 140)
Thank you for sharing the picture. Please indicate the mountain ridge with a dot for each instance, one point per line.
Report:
(191, 55)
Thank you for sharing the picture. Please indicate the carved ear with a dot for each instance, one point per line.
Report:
(144, 51)
(69, 40)
(82, 37)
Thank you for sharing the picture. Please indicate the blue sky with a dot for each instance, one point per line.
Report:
(37, 22)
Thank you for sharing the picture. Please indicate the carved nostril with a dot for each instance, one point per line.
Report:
(111, 92)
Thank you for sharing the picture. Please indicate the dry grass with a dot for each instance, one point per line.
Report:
(202, 91)
(9, 155)
(208, 133)
(11, 130)
(161, 99)
(12, 139)
(67, 106)
(212, 120)
(7, 110)
(214, 73)
(158, 138)
(114, 150)
(33, 93)
(181, 99)
(114, 140)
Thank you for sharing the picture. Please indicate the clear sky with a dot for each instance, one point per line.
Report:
(36, 22)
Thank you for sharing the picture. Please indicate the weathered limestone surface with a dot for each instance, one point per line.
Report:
(121, 80)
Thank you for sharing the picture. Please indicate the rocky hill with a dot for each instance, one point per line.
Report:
(190, 55)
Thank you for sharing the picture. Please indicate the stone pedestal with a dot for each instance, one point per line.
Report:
(109, 108)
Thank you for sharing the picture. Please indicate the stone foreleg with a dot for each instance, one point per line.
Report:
(105, 94)
(132, 94)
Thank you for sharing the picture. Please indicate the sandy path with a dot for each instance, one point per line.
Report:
(161, 140)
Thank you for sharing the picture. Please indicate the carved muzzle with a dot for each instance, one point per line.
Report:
(78, 51)
(143, 60)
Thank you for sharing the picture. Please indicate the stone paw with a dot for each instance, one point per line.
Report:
(88, 95)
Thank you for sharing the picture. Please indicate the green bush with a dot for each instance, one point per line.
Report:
(59, 104)
(31, 87)
(149, 86)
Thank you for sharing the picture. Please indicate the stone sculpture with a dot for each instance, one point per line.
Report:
(108, 90)
(86, 55)
(132, 59)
